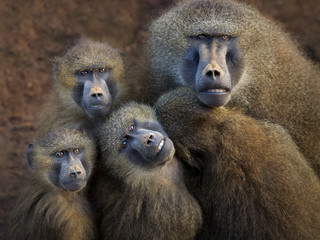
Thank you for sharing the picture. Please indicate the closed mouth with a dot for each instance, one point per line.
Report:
(214, 97)
(99, 106)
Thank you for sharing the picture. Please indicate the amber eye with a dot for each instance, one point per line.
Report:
(84, 73)
(131, 128)
(124, 142)
(60, 154)
(202, 37)
(102, 70)
(224, 37)
(76, 150)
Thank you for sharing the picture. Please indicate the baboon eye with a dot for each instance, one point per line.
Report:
(84, 73)
(203, 37)
(124, 142)
(131, 128)
(102, 70)
(76, 150)
(224, 37)
(60, 154)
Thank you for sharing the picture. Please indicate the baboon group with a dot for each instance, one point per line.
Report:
(222, 141)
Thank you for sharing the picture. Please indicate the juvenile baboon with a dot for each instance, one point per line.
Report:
(232, 55)
(89, 81)
(140, 190)
(248, 175)
(54, 203)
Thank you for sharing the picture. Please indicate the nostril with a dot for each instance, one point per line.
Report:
(97, 95)
(150, 139)
(213, 73)
(74, 174)
(216, 73)
(209, 73)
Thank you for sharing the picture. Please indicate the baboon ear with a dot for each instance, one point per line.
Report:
(30, 155)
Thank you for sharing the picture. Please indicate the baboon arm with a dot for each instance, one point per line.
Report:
(254, 183)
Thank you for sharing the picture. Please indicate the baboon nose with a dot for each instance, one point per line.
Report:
(150, 139)
(74, 174)
(97, 95)
(213, 73)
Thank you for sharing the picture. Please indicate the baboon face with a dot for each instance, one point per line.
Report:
(89, 76)
(134, 144)
(62, 158)
(67, 170)
(146, 143)
(209, 67)
(94, 90)
(199, 44)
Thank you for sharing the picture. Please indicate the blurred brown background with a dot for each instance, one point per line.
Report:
(34, 31)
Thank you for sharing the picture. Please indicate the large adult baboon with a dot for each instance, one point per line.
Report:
(139, 187)
(232, 55)
(54, 203)
(89, 81)
(248, 175)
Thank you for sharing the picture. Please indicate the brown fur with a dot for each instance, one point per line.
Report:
(248, 175)
(278, 83)
(45, 211)
(61, 110)
(136, 202)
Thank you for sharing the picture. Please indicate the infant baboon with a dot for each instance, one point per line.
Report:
(89, 82)
(252, 182)
(139, 189)
(232, 55)
(54, 203)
